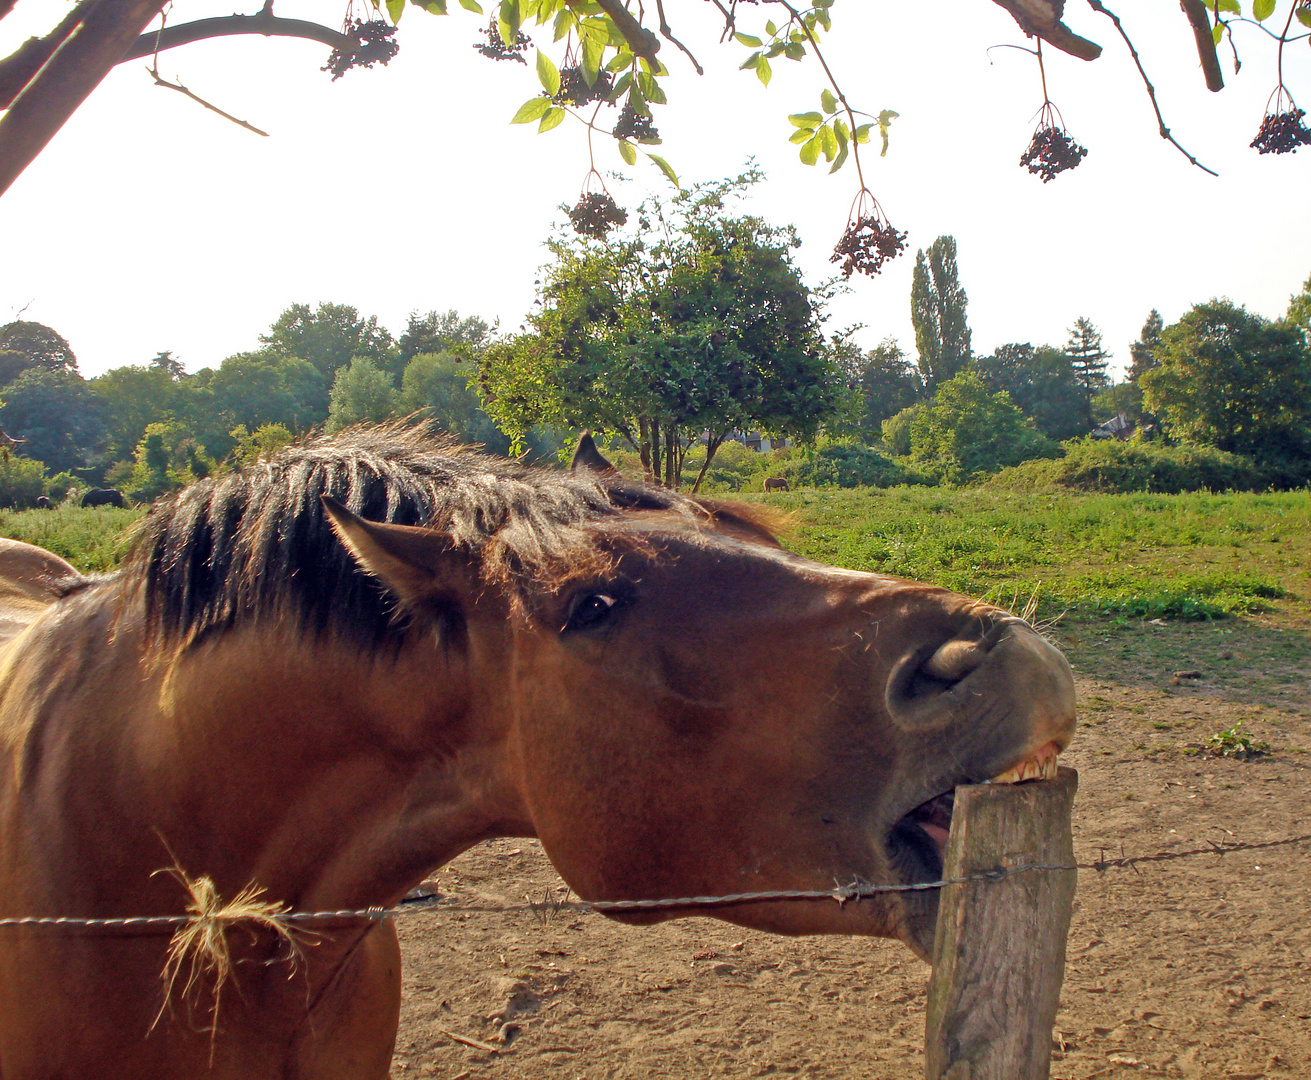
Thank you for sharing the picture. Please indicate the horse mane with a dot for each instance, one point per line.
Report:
(255, 543)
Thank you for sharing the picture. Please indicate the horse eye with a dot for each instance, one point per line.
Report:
(590, 609)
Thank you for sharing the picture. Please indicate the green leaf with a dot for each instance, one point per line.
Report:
(1262, 9)
(1232, 6)
(472, 5)
(771, 29)
(553, 118)
(806, 119)
(394, 10)
(810, 152)
(666, 168)
(628, 152)
(622, 59)
(750, 62)
(1217, 32)
(748, 40)
(840, 160)
(763, 72)
(1304, 16)
(828, 143)
(862, 133)
(531, 110)
(564, 23)
(432, 7)
(828, 102)
(548, 73)
(592, 53)
(802, 135)
(795, 51)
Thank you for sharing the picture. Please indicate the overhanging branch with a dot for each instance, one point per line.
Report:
(265, 24)
(1196, 12)
(1042, 19)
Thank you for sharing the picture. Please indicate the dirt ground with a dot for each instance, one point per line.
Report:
(1194, 968)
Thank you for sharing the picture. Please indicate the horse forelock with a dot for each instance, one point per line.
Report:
(256, 543)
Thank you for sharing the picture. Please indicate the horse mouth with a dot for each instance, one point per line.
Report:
(917, 841)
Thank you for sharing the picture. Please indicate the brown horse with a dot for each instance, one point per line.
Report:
(777, 483)
(328, 674)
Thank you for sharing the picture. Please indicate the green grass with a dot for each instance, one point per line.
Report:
(1192, 556)
(92, 540)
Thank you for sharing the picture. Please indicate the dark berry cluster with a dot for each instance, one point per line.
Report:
(866, 245)
(575, 91)
(1282, 132)
(595, 214)
(633, 125)
(1051, 152)
(373, 45)
(495, 47)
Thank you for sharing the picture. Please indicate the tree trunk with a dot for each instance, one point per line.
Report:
(712, 447)
(672, 457)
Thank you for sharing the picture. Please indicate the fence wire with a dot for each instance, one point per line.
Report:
(437, 904)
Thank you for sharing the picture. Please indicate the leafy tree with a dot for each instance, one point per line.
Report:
(439, 384)
(1233, 380)
(38, 345)
(361, 391)
(897, 429)
(699, 323)
(329, 338)
(169, 364)
(937, 310)
(1041, 383)
(262, 442)
(130, 399)
(1142, 353)
(887, 382)
(167, 457)
(57, 414)
(1299, 310)
(439, 332)
(967, 431)
(259, 388)
(1088, 359)
(22, 481)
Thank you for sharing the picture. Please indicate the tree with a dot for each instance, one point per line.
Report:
(1299, 310)
(259, 388)
(169, 364)
(440, 332)
(1088, 360)
(887, 382)
(262, 442)
(37, 346)
(1142, 353)
(966, 431)
(937, 310)
(1233, 380)
(329, 338)
(693, 323)
(361, 391)
(167, 457)
(1041, 383)
(439, 384)
(130, 399)
(58, 416)
(602, 51)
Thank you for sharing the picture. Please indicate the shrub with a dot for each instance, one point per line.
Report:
(22, 481)
(850, 464)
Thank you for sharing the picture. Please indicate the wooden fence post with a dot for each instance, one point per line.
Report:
(999, 948)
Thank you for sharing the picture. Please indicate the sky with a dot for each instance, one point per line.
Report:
(150, 223)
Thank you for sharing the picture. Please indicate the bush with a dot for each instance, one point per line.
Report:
(22, 481)
(850, 464)
(1105, 465)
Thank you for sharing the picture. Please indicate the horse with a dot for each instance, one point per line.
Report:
(104, 497)
(777, 483)
(43, 503)
(314, 680)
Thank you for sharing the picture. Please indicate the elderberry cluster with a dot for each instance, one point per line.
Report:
(575, 91)
(866, 245)
(495, 47)
(634, 125)
(595, 214)
(1051, 152)
(373, 45)
(1282, 132)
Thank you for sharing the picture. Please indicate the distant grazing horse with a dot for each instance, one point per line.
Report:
(44, 503)
(776, 483)
(327, 674)
(103, 497)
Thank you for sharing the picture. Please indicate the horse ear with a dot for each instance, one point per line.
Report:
(412, 562)
(587, 456)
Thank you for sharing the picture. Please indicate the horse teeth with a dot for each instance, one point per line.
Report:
(1041, 766)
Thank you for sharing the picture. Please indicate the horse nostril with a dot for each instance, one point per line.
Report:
(918, 682)
(953, 661)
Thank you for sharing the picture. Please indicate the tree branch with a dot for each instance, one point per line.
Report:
(668, 32)
(264, 23)
(77, 67)
(1096, 5)
(1196, 12)
(21, 67)
(643, 43)
(160, 81)
(1042, 19)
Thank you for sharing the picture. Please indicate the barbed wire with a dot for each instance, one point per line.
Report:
(842, 894)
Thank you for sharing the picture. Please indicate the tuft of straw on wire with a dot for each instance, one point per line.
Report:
(200, 946)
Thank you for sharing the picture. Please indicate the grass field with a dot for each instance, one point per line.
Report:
(93, 540)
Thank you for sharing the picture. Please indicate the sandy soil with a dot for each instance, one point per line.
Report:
(1194, 968)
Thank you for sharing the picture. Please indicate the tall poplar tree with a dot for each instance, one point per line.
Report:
(937, 310)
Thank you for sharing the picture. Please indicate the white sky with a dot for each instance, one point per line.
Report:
(150, 223)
